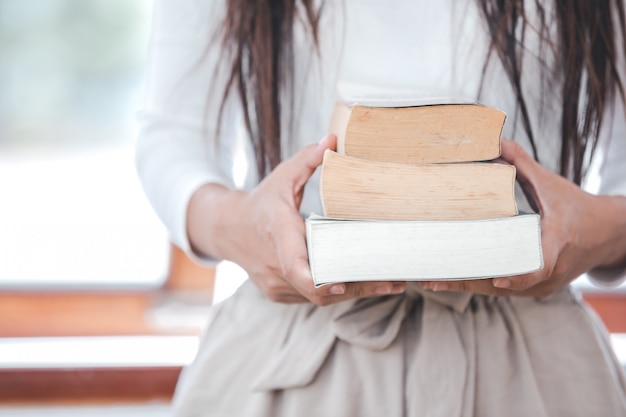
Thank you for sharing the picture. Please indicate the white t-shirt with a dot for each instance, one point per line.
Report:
(391, 48)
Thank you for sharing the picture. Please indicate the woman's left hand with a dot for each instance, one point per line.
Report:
(579, 231)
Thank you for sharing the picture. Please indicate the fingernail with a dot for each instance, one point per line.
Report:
(383, 289)
(337, 289)
(322, 141)
(502, 283)
(440, 286)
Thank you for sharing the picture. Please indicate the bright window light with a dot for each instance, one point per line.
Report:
(72, 212)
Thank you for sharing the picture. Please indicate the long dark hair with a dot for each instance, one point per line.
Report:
(259, 36)
(586, 48)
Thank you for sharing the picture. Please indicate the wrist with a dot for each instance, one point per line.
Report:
(613, 251)
(212, 210)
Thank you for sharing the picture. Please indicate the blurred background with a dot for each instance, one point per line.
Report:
(98, 311)
(70, 85)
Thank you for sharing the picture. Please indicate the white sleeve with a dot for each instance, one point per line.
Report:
(613, 171)
(612, 182)
(176, 149)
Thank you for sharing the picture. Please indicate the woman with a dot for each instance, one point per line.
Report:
(262, 77)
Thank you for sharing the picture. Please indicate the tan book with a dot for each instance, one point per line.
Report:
(353, 188)
(435, 133)
(360, 250)
(409, 196)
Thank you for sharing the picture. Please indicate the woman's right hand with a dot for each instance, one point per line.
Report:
(263, 232)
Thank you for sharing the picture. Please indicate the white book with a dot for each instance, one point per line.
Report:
(362, 250)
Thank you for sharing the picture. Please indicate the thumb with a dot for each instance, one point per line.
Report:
(529, 173)
(301, 166)
(527, 168)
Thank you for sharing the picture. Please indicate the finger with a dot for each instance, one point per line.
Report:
(474, 286)
(299, 168)
(293, 299)
(355, 290)
(289, 241)
(290, 247)
(373, 288)
(528, 170)
(276, 289)
(514, 154)
(288, 296)
(283, 293)
(292, 256)
(529, 173)
(519, 283)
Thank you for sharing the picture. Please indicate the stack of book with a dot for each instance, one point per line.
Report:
(414, 193)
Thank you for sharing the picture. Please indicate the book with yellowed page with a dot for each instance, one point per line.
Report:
(363, 250)
(413, 193)
(422, 133)
(354, 188)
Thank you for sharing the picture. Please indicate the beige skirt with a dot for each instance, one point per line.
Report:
(416, 354)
